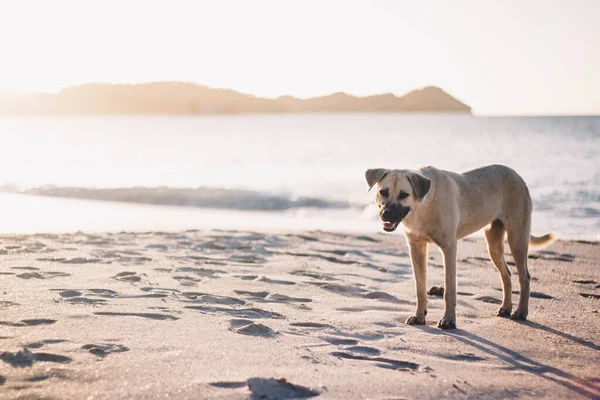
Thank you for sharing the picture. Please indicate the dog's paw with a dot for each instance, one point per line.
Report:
(446, 324)
(503, 312)
(416, 320)
(519, 316)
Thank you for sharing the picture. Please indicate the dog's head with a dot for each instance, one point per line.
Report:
(398, 192)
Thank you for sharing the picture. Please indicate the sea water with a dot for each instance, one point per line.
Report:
(276, 172)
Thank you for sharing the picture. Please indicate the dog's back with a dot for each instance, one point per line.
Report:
(481, 196)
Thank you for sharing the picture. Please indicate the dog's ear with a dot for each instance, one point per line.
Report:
(419, 183)
(375, 175)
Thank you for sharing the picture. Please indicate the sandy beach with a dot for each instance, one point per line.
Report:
(236, 315)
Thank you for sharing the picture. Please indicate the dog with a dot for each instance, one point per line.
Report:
(441, 207)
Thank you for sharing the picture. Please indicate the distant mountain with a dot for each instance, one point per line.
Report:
(190, 98)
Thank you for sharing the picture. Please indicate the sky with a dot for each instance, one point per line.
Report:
(500, 57)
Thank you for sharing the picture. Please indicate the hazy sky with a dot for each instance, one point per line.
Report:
(500, 57)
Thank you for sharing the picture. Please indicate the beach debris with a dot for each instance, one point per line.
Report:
(271, 388)
(436, 291)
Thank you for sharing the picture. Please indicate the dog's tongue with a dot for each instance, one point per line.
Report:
(390, 226)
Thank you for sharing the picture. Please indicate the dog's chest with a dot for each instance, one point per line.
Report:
(415, 225)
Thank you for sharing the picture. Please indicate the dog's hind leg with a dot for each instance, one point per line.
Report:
(494, 236)
(518, 240)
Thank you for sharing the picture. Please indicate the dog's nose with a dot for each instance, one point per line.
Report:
(390, 214)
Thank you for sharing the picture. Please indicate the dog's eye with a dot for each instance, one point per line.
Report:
(403, 195)
(383, 192)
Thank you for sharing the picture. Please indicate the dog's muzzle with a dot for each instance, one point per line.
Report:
(392, 215)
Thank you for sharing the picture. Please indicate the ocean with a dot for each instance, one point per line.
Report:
(284, 172)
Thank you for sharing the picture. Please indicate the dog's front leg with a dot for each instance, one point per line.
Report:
(449, 320)
(418, 258)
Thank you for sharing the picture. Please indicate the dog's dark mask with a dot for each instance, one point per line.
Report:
(392, 214)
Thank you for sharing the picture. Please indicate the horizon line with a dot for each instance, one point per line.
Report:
(325, 94)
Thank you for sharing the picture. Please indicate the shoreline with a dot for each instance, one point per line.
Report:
(29, 214)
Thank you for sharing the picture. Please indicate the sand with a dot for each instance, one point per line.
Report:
(238, 315)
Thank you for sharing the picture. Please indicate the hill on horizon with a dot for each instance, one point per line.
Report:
(190, 98)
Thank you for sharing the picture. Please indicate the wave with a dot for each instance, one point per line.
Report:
(235, 199)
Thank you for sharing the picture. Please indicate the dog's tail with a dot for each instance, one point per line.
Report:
(541, 241)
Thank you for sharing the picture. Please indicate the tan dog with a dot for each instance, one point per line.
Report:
(441, 207)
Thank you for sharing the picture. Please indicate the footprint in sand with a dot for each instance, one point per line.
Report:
(252, 313)
(86, 296)
(369, 336)
(270, 297)
(380, 361)
(315, 275)
(84, 300)
(103, 350)
(535, 295)
(103, 292)
(42, 275)
(159, 317)
(246, 277)
(6, 303)
(262, 388)
(165, 292)
(341, 289)
(383, 296)
(310, 325)
(127, 276)
(203, 272)
(52, 259)
(185, 280)
(276, 281)
(356, 291)
(238, 322)
(42, 343)
(461, 357)
(228, 385)
(590, 295)
(196, 297)
(489, 299)
(249, 328)
(341, 341)
(372, 351)
(51, 373)
(370, 308)
(552, 256)
(540, 295)
(320, 256)
(29, 322)
(81, 260)
(585, 281)
(25, 358)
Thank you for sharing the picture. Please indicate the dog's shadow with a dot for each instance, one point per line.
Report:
(587, 388)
